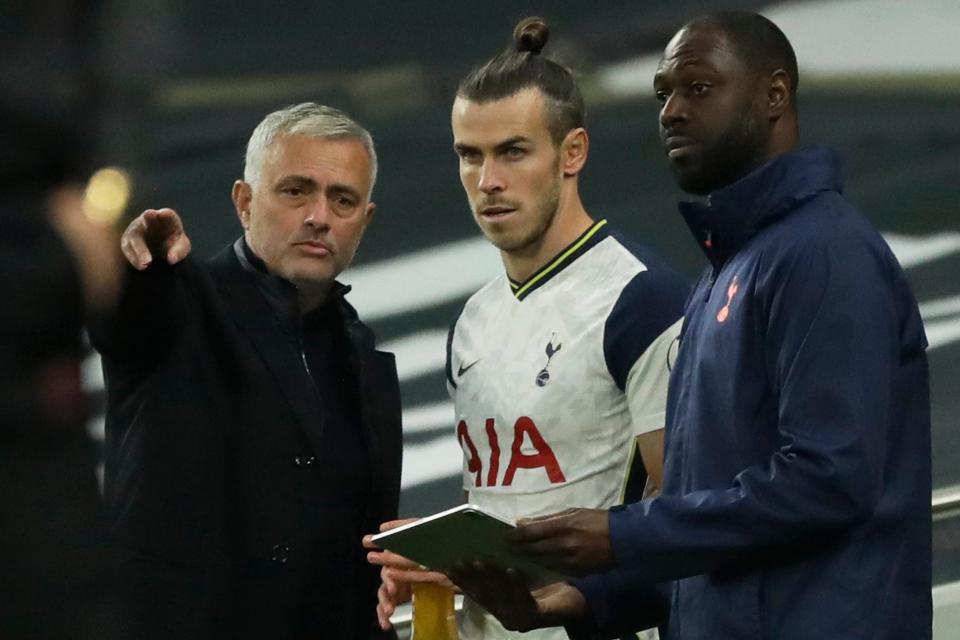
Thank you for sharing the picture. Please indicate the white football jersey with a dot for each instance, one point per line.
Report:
(554, 378)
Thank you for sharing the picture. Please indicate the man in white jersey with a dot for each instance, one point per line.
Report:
(558, 368)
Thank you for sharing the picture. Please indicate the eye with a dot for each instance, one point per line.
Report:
(293, 192)
(468, 155)
(699, 88)
(344, 201)
(514, 153)
(661, 97)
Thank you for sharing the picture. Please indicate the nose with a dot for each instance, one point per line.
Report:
(490, 180)
(674, 110)
(318, 214)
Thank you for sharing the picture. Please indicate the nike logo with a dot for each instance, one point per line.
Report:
(463, 369)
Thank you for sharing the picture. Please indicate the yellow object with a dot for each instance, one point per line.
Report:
(433, 614)
(107, 195)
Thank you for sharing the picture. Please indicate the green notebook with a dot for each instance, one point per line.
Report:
(462, 534)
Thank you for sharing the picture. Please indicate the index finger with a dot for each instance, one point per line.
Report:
(385, 526)
(550, 516)
(535, 529)
(393, 524)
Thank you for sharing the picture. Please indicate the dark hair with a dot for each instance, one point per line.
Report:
(520, 67)
(758, 42)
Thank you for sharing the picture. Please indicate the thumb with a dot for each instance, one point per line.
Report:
(179, 248)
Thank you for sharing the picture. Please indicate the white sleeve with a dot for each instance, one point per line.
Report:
(647, 382)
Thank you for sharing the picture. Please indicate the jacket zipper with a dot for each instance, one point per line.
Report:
(306, 363)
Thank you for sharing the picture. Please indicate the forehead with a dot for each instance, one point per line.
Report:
(481, 123)
(702, 48)
(342, 160)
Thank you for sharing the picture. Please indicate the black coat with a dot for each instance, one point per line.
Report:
(211, 415)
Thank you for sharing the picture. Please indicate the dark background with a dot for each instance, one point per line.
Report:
(171, 90)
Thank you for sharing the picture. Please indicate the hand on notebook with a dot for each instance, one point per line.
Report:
(574, 541)
(505, 594)
(396, 575)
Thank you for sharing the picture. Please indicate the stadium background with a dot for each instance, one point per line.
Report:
(171, 90)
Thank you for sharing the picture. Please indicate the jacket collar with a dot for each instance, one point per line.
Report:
(280, 293)
(735, 213)
(245, 304)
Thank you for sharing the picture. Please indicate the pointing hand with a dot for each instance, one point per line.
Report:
(155, 232)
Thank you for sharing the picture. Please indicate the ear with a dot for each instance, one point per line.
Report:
(242, 194)
(779, 99)
(573, 151)
(366, 219)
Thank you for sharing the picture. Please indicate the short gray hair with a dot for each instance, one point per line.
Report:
(307, 119)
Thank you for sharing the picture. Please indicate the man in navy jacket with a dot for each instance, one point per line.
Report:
(796, 498)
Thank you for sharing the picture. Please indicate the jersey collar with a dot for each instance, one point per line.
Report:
(561, 261)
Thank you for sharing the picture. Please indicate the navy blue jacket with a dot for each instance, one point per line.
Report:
(796, 498)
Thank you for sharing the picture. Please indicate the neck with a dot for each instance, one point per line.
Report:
(311, 296)
(776, 146)
(784, 138)
(570, 221)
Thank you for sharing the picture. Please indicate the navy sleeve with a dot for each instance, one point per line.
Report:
(832, 341)
(650, 303)
(620, 604)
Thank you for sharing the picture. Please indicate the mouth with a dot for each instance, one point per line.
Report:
(678, 147)
(314, 248)
(497, 212)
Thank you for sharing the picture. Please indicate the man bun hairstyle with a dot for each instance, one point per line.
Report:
(521, 66)
(531, 35)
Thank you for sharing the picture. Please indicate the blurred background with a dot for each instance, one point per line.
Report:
(170, 90)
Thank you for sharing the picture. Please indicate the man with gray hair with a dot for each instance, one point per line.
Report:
(253, 431)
